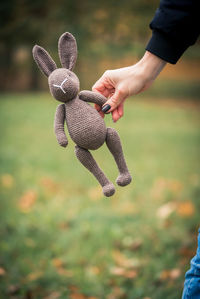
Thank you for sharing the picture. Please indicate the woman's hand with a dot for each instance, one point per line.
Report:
(117, 85)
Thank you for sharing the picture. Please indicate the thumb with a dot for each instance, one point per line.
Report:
(114, 101)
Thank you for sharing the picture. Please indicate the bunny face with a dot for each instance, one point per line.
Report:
(63, 84)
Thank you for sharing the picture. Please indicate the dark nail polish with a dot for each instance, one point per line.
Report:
(106, 108)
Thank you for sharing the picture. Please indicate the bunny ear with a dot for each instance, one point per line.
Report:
(43, 60)
(67, 49)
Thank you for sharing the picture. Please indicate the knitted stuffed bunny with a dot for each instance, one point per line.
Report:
(86, 127)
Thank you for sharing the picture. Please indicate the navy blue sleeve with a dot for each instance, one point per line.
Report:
(175, 27)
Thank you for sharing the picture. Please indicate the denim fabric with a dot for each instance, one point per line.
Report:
(192, 277)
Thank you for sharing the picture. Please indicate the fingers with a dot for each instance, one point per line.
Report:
(115, 100)
(118, 112)
(104, 83)
(98, 108)
(120, 109)
(116, 96)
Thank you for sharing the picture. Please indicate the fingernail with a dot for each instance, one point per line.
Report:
(106, 108)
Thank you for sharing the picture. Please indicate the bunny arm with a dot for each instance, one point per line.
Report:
(59, 125)
(92, 97)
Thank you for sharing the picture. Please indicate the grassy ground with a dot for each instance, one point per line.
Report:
(61, 239)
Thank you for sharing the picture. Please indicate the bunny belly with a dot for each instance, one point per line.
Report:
(86, 127)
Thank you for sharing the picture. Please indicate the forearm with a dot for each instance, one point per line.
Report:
(122, 83)
(138, 77)
(150, 66)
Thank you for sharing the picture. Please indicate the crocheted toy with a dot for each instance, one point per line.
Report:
(85, 125)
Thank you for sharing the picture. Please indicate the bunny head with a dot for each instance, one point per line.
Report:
(63, 83)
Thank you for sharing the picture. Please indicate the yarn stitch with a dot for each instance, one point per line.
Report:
(85, 125)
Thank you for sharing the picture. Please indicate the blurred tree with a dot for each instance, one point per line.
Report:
(102, 28)
(20, 25)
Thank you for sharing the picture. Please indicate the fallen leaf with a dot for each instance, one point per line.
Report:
(34, 276)
(187, 252)
(121, 260)
(93, 270)
(27, 201)
(77, 296)
(73, 288)
(2, 271)
(135, 245)
(170, 274)
(175, 273)
(53, 295)
(175, 186)
(65, 225)
(119, 271)
(95, 193)
(49, 185)
(166, 210)
(59, 265)
(185, 209)
(131, 244)
(65, 272)
(167, 223)
(7, 180)
(130, 274)
(116, 293)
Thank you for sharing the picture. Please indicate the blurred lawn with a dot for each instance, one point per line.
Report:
(61, 239)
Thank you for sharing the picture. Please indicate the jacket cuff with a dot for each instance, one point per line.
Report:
(166, 49)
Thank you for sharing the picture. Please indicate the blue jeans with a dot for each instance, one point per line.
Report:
(192, 277)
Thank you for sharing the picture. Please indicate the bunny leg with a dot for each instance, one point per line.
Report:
(85, 157)
(114, 144)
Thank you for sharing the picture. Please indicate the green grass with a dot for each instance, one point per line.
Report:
(61, 239)
(174, 88)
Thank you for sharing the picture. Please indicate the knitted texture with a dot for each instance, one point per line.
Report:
(59, 125)
(43, 60)
(63, 85)
(92, 97)
(88, 161)
(67, 50)
(114, 144)
(85, 125)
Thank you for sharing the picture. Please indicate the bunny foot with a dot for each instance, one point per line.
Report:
(109, 189)
(124, 179)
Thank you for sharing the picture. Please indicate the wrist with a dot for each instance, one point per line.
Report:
(151, 66)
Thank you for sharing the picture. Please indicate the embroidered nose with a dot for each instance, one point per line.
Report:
(61, 86)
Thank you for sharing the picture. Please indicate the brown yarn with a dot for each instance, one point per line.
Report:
(85, 125)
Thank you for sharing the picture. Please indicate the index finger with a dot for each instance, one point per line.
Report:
(104, 91)
(102, 84)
